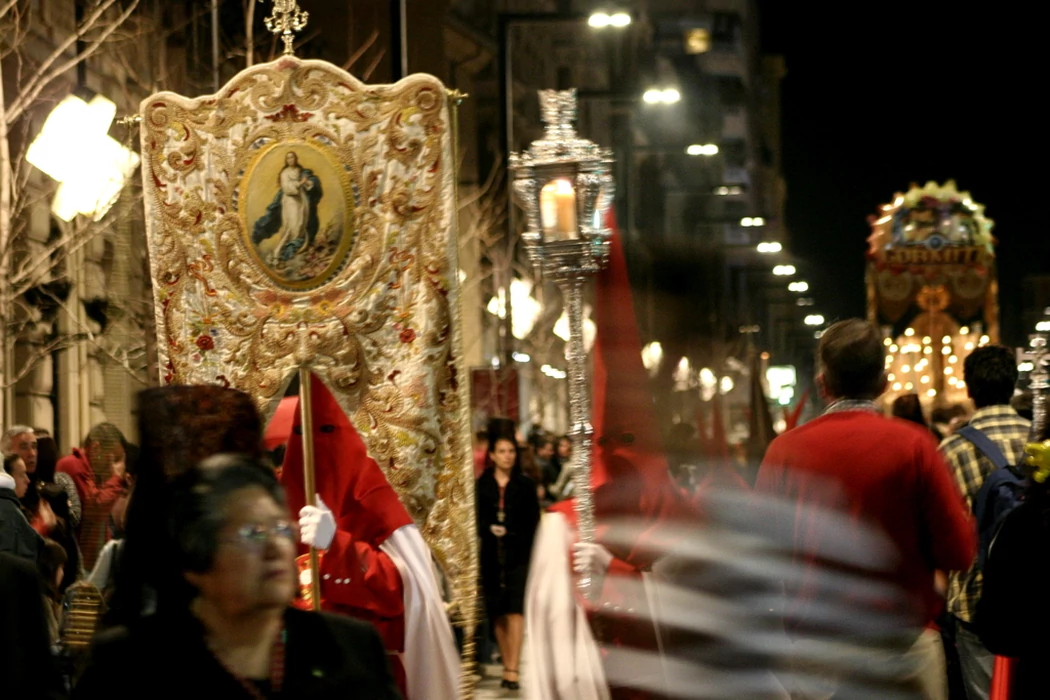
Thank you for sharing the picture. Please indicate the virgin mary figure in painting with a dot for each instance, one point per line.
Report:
(293, 212)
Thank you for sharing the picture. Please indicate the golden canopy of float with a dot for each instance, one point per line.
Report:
(301, 221)
(932, 287)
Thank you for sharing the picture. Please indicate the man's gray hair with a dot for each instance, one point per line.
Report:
(10, 434)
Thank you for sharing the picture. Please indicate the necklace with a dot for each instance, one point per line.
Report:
(276, 669)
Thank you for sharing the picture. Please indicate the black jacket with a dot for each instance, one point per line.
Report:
(17, 536)
(164, 657)
(27, 669)
(1012, 616)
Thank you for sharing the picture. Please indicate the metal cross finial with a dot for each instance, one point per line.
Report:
(286, 20)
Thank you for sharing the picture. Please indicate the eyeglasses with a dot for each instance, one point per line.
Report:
(254, 537)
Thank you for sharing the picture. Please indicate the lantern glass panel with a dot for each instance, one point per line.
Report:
(558, 210)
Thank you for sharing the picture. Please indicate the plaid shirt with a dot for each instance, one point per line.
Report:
(970, 467)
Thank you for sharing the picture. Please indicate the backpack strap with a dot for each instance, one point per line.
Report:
(984, 444)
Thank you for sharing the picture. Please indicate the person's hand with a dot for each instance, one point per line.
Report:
(317, 525)
(498, 530)
(591, 560)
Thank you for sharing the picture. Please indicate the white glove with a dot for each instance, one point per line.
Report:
(316, 525)
(591, 560)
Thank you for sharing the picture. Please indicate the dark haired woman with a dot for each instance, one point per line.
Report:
(224, 626)
(508, 513)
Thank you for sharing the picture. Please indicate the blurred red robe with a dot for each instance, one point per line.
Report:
(631, 482)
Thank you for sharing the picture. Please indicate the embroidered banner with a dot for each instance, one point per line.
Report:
(302, 218)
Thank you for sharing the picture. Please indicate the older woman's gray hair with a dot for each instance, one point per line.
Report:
(10, 434)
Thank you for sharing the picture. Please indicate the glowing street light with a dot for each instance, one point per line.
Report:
(616, 20)
(800, 286)
(784, 270)
(75, 148)
(666, 96)
(770, 247)
(702, 149)
(814, 320)
(750, 221)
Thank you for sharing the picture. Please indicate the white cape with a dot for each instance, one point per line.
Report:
(564, 662)
(431, 661)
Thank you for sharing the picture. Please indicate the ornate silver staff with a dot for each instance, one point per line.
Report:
(564, 184)
(1040, 381)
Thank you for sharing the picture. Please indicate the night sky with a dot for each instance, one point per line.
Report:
(879, 95)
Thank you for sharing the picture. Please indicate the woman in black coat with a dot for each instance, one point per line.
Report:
(224, 626)
(508, 513)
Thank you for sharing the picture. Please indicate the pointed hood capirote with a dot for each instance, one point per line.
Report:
(348, 480)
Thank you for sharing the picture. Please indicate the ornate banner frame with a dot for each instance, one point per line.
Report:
(341, 259)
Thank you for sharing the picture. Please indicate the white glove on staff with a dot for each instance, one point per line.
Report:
(591, 560)
(316, 525)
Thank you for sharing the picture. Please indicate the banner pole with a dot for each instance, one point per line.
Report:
(306, 412)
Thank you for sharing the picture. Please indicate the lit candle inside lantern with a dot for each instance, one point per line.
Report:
(558, 210)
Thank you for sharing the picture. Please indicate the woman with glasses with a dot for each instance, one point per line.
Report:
(224, 624)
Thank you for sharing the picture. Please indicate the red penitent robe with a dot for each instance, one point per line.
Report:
(357, 577)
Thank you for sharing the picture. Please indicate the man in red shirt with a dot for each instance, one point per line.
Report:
(98, 471)
(865, 499)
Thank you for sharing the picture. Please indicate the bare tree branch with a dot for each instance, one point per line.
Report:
(49, 71)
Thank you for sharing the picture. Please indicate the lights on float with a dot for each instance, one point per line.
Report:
(521, 357)
(965, 330)
(984, 340)
(909, 332)
(946, 340)
(896, 386)
(1025, 367)
(1043, 326)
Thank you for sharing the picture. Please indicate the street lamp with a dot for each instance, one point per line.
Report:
(74, 147)
(770, 247)
(601, 20)
(800, 286)
(564, 184)
(750, 221)
(702, 149)
(814, 320)
(665, 96)
(784, 270)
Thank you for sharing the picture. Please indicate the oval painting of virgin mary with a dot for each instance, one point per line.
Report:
(297, 213)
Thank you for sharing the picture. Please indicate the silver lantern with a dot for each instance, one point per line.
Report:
(564, 184)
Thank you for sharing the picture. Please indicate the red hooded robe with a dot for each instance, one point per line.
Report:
(357, 578)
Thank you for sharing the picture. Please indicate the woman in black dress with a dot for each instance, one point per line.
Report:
(508, 513)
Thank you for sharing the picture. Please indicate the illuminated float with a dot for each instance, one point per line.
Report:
(932, 288)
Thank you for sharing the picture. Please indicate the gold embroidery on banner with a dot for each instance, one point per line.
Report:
(374, 312)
